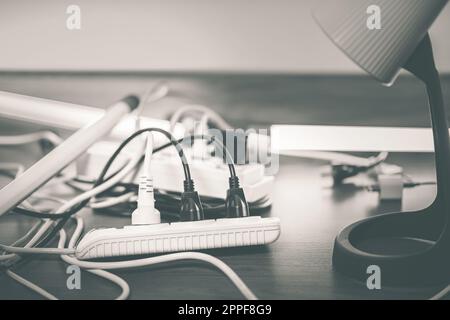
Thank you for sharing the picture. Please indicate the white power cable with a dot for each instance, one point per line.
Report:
(30, 285)
(20, 250)
(12, 166)
(153, 94)
(125, 289)
(30, 138)
(109, 202)
(104, 186)
(235, 279)
(101, 273)
(97, 267)
(86, 195)
(441, 293)
(37, 236)
(212, 115)
(39, 196)
(19, 169)
(114, 279)
(25, 237)
(200, 146)
(145, 212)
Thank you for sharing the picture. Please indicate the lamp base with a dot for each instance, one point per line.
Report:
(408, 247)
(403, 245)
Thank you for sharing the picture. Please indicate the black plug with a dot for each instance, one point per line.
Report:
(235, 203)
(191, 206)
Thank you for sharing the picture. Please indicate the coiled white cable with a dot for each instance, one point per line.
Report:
(125, 289)
(235, 279)
(98, 267)
(86, 195)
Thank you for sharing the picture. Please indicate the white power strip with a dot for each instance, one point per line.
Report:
(178, 236)
(210, 175)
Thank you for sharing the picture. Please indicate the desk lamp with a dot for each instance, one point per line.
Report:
(409, 247)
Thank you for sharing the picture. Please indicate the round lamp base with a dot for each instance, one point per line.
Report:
(403, 245)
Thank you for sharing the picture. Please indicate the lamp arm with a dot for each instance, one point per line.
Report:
(422, 65)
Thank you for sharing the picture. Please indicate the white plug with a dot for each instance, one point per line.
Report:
(391, 186)
(146, 213)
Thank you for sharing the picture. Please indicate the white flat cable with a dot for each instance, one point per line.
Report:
(335, 157)
(350, 138)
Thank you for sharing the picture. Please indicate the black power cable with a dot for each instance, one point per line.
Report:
(105, 169)
(101, 179)
(65, 216)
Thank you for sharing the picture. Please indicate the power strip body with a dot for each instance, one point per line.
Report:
(178, 236)
(210, 175)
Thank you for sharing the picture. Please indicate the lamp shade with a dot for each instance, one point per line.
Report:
(378, 35)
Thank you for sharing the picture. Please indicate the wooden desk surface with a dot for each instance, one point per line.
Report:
(298, 265)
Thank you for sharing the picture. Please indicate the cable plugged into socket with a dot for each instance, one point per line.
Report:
(236, 205)
(191, 206)
(146, 213)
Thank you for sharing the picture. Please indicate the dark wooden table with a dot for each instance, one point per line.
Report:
(298, 265)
